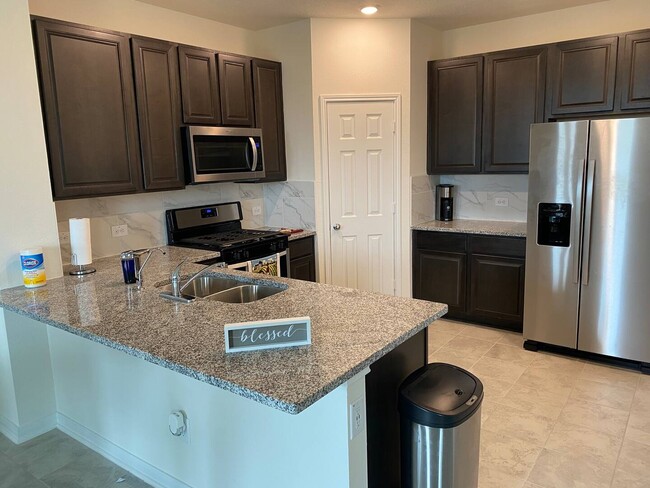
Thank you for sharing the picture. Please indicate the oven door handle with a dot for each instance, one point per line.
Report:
(255, 154)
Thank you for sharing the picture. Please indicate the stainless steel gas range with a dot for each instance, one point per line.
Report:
(218, 228)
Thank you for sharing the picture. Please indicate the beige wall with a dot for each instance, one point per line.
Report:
(572, 23)
(147, 20)
(27, 213)
(291, 45)
(426, 44)
(26, 208)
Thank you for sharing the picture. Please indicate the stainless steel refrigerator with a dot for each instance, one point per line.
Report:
(588, 245)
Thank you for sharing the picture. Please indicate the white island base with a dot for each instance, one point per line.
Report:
(119, 406)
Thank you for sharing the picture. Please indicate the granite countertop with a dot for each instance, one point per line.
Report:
(485, 227)
(302, 234)
(351, 329)
(296, 235)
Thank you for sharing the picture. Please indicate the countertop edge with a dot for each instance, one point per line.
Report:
(477, 227)
(290, 408)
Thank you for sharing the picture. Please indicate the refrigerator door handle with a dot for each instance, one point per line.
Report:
(589, 196)
(578, 247)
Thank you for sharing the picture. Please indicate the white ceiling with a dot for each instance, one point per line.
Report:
(442, 14)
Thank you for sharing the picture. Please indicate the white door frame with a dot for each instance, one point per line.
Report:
(323, 200)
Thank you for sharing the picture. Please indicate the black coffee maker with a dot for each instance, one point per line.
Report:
(444, 202)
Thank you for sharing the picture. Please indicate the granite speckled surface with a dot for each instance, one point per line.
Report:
(302, 235)
(351, 329)
(484, 227)
(293, 237)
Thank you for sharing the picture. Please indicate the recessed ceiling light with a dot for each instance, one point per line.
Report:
(369, 10)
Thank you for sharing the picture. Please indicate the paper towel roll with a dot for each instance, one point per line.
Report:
(80, 247)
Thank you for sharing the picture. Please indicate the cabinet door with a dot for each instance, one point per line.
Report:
(199, 88)
(236, 90)
(514, 99)
(581, 75)
(303, 268)
(455, 91)
(157, 89)
(441, 277)
(302, 259)
(90, 115)
(634, 74)
(269, 116)
(497, 289)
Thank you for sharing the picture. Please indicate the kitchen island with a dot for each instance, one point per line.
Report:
(123, 359)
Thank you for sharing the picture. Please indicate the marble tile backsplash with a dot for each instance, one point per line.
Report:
(474, 196)
(423, 189)
(290, 204)
(144, 214)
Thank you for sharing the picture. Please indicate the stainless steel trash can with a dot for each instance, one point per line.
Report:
(440, 422)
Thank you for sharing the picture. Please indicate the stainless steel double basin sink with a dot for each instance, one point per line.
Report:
(224, 290)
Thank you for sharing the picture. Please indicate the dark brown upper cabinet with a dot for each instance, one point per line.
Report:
(236, 90)
(269, 116)
(199, 86)
(582, 75)
(634, 71)
(513, 99)
(455, 103)
(155, 66)
(89, 109)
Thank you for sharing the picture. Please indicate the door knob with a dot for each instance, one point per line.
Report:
(336, 226)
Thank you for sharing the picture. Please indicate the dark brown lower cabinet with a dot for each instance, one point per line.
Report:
(441, 277)
(302, 259)
(497, 289)
(480, 278)
(382, 386)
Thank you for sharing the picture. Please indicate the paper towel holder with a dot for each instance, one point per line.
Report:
(80, 269)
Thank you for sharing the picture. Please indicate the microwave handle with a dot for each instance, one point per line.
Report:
(255, 155)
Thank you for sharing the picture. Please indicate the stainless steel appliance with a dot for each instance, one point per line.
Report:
(587, 268)
(218, 228)
(444, 202)
(215, 154)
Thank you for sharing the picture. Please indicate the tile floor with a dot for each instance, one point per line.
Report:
(55, 460)
(548, 422)
(551, 421)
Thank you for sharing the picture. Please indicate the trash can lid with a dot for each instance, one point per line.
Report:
(440, 395)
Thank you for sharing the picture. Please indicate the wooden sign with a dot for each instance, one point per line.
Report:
(268, 334)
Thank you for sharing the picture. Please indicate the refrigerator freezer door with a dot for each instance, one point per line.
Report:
(558, 153)
(615, 298)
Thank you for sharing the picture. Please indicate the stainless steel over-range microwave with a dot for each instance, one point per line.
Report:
(214, 154)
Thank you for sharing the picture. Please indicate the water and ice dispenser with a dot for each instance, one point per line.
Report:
(554, 224)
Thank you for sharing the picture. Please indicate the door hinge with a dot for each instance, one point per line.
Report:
(394, 126)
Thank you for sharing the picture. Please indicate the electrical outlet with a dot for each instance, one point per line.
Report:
(119, 230)
(357, 418)
(257, 210)
(501, 202)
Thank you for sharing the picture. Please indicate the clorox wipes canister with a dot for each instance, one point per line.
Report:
(33, 266)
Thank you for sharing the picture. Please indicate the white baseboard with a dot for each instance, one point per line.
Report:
(22, 433)
(142, 469)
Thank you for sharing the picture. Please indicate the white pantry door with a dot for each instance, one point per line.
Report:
(361, 171)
